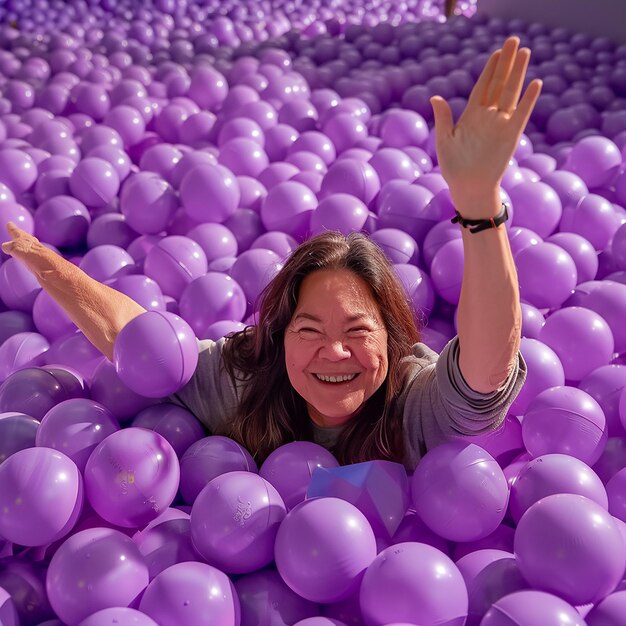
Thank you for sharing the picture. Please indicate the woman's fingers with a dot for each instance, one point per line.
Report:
(502, 71)
(513, 87)
(527, 104)
(478, 94)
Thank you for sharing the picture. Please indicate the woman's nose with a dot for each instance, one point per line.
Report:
(335, 350)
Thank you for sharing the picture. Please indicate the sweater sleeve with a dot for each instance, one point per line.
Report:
(440, 405)
(210, 394)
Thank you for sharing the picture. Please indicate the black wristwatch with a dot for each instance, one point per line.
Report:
(475, 226)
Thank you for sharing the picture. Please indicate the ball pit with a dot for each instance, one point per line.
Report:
(180, 151)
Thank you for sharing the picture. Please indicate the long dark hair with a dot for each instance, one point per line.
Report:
(271, 413)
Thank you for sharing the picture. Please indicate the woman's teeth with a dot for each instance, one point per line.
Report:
(335, 379)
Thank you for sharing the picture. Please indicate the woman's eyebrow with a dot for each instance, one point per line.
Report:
(352, 318)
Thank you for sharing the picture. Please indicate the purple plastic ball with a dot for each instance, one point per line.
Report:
(34, 391)
(392, 163)
(266, 599)
(209, 181)
(545, 370)
(541, 265)
(18, 286)
(565, 420)
(178, 595)
(550, 474)
(19, 215)
(94, 182)
(413, 582)
(166, 541)
(131, 477)
(148, 202)
(448, 489)
(287, 208)
(179, 427)
(594, 218)
(155, 354)
(397, 245)
(108, 389)
(605, 384)
(106, 262)
(75, 427)
(595, 159)
(289, 469)
(41, 496)
(351, 176)
(569, 545)
(17, 432)
(239, 541)
(339, 211)
(62, 221)
(174, 262)
(212, 298)
(537, 206)
(253, 270)
(401, 128)
(120, 616)
(95, 569)
(527, 607)
(581, 338)
(319, 553)
(446, 271)
(17, 170)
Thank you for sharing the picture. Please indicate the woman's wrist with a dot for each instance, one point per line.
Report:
(477, 206)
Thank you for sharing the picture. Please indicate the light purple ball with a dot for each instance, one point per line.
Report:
(569, 545)
(339, 211)
(120, 616)
(565, 420)
(595, 159)
(155, 354)
(180, 427)
(448, 489)
(207, 181)
(549, 474)
(148, 202)
(253, 270)
(541, 265)
(179, 595)
(211, 298)
(319, 553)
(41, 494)
(266, 599)
(131, 477)
(95, 569)
(413, 582)
(239, 541)
(106, 262)
(62, 221)
(545, 370)
(581, 338)
(532, 607)
(174, 262)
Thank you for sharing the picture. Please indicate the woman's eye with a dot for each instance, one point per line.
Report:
(359, 331)
(309, 331)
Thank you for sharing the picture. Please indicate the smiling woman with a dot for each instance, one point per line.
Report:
(335, 357)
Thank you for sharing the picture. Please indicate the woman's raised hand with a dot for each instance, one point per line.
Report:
(27, 249)
(474, 154)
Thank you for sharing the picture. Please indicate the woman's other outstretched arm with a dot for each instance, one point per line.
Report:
(473, 156)
(98, 310)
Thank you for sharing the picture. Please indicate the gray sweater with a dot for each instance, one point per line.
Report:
(436, 402)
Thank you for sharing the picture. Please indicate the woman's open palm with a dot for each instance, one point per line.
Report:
(474, 153)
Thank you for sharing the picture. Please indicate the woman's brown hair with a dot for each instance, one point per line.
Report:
(271, 413)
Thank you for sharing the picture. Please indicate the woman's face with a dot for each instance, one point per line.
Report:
(335, 345)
